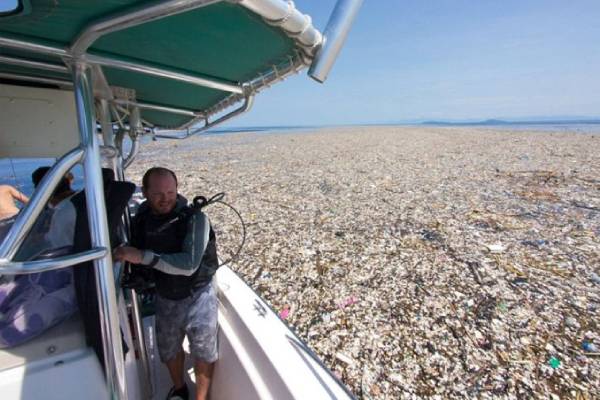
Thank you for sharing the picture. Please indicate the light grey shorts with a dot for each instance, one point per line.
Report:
(194, 316)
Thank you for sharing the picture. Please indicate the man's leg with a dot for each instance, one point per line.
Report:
(202, 334)
(169, 337)
(203, 373)
(175, 367)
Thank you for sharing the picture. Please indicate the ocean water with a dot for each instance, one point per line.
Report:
(585, 129)
(266, 129)
(579, 128)
(17, 172)
(582, 128)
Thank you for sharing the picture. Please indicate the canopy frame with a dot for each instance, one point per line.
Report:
(274, 12)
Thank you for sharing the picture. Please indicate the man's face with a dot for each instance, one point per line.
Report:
(161, 193)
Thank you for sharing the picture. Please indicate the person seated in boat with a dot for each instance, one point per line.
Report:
(59, 216)
(31, 304)
(62, 192)
(179, 245)
(44, 234)
(8, 196)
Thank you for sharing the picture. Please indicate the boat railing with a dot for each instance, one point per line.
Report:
(26, 218)
(31, 267)
(88, 154)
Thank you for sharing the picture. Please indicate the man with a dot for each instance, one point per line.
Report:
(8, 195)
(179, 245)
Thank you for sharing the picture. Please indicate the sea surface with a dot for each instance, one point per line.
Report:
(559, 128)
(17, 172)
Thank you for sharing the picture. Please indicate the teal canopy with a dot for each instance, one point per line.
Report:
(222, 42)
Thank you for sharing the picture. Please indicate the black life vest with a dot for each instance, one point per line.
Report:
(154, 232)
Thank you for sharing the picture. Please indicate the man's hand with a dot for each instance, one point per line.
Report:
(129, 254)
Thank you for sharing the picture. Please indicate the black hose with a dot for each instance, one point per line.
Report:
(200, 202)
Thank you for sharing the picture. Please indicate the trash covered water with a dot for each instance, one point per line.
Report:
(418, 262)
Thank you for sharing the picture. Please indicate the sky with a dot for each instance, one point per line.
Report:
(452, 60)
(408, 61)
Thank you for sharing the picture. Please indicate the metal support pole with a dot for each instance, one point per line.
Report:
(108, 136)
(107, 130)
(138, 328)
(131, 295)
(335, 34)
(135, 131)
(96, 209)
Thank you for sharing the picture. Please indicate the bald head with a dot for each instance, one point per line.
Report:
(159, 186)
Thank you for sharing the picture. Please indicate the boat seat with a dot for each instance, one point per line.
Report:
(56, 365)
(62, 338)
(117, 194)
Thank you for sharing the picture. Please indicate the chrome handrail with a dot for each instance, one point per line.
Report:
(32, 267)
(36, 48)
(253, 87)
(96, 209)
(39, 79)
(26, 218)
(157, 107)
(163, 73)
(121, 64)
(248, 102)
(21, 62)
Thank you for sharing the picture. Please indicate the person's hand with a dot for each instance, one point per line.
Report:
(129, 254)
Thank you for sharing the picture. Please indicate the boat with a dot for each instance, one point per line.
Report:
(84, 83)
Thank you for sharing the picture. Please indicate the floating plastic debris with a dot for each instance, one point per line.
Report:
(283, 314)
(520, 281)
(399, 218)
(344, 358)
(571, 322)
(534, 243)
(589, 347)
(495, 248)
(554, 362)
(347, 302)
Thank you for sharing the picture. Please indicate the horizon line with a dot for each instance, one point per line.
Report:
(441, 121)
